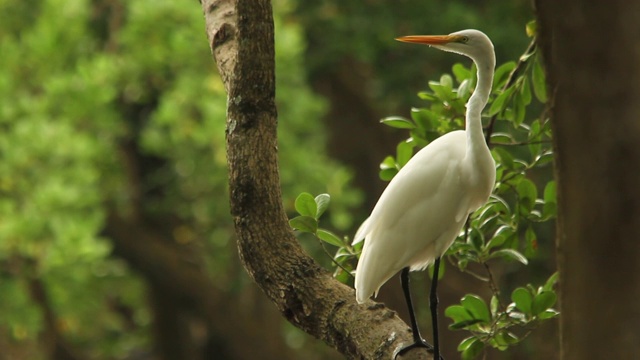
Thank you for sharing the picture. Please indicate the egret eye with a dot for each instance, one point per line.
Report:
(464, 39)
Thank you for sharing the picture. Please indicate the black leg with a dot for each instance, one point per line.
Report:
(433, 304)
(418, 341)
(404, 278)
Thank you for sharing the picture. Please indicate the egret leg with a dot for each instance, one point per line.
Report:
(418, 341)
(433, 304)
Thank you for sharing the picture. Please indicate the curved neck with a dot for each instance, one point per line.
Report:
(478, 100)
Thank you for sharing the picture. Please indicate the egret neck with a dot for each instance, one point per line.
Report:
(476, 143)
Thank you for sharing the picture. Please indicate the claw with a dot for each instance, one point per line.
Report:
(419, 344)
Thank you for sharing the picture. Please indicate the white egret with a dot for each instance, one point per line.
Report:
(425, 205)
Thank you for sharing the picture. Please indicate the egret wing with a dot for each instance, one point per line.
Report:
(417, 216)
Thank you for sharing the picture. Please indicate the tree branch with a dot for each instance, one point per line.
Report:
(240, 33)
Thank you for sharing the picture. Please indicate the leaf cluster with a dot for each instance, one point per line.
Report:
(310, 209)
(491, 325)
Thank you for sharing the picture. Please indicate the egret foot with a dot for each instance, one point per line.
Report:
(418, 341)
(419, 344)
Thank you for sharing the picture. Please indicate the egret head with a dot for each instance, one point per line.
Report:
(472, 43)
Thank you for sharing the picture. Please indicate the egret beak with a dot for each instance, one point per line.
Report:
(430, 39)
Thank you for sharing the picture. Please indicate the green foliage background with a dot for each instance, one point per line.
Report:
(81, 82)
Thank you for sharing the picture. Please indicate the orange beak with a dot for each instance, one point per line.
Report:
(430, 39)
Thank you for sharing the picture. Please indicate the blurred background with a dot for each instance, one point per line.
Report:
(115, 235)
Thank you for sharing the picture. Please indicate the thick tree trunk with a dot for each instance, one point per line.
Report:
(592, 57)
(241, 38)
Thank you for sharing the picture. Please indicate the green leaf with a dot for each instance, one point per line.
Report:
(464, 344)
(503, 156)
(342, 276)
(387, 174)
(424, 118)
(499, 103)
(388, 163)
(329, 238)
(458, 313)
(485, 214)
(550, 192)
(342, 252)
(548, 314)
(532, 28)
(404, 152)
(501, 235)
(500, 204)
(462, 264)
(502, 138)
(525, 91)
(304, 223)
(446, 81)
(526, 56)
(502, 73)
(523, 299)
(509, 254)
(493, 305)
(464, 90)
(528, 193)
(517, 316)
(473, 350)
(504, 339)
(551, 282)
(543, 301)
(464, 324)
(511, 338)
(509, 114)
(476, 239)
(535, 130)
(534, 148)
(388, 168)
(532, 241)
(538, 80)
(477, 307)
(545, 157)
(424, 95)
(322, 203)
(519, 109)
(443, 92)
(306, 205)
(461, 72)
(398, 122)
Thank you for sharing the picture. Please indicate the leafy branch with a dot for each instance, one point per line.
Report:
(310, 209)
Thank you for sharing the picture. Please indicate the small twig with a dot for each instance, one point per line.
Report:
(492, 284)
(477, 276)
(332, 258)
(467, 225)
(522, 143)
(510, 81)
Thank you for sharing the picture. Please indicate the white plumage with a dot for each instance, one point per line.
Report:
(424, 207)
